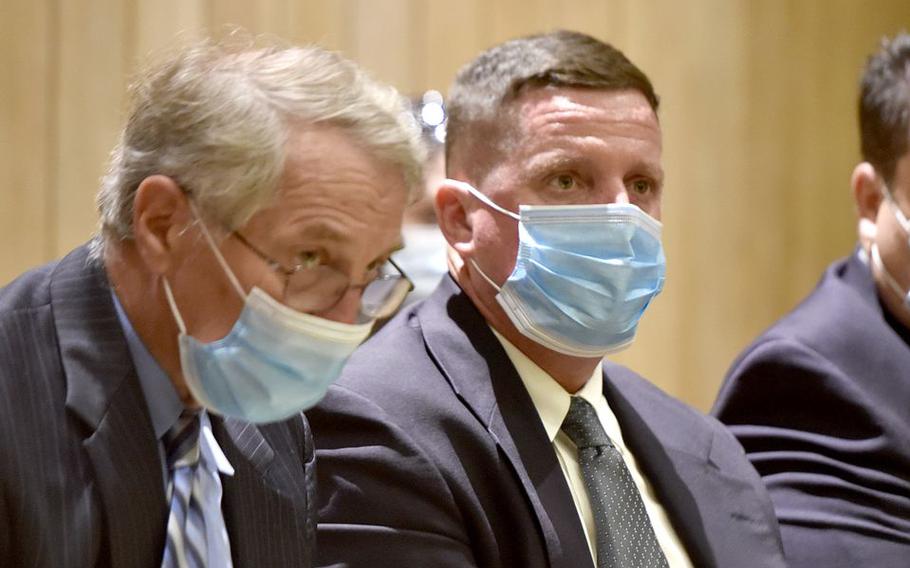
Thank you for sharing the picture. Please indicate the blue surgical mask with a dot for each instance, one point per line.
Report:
(275, 361)
(583, 276)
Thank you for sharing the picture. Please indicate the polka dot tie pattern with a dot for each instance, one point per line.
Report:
(625, 537)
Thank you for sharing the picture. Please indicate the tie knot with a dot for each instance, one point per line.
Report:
(582, 425)
(181, 442)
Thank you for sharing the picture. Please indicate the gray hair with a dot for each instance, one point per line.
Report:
(215, 117)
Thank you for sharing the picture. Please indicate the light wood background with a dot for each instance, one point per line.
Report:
(758, 114)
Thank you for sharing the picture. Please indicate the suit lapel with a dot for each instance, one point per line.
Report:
(250, 444)
(481, 375)
(103, 393)
(663, 473)
(265, 502)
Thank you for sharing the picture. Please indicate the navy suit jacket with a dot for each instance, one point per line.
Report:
(821, 403)
(80, 473)
(432, 454)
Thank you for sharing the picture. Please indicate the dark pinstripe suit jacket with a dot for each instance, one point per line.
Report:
(80, 479)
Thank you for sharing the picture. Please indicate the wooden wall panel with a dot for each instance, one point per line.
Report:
(325, 23)
(153, 25)
(594, 17)
(26, 126)
(454, 34)
(757, 108)
(94, 55)
(387, 40)
(256, 17)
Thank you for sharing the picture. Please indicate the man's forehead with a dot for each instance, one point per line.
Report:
(576, 118)
(327, 164)
(568, 104)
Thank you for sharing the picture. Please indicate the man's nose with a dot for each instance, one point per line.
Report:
(347, 309)
(620, 197)
(613, 192)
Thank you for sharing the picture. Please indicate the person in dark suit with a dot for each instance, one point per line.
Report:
(481, 427)
(821, 400)
(152, 381)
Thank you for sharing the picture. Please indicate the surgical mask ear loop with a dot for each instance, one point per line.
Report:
(217, 252)
(169, 294)
(464, 186)
(485, 277)
(898, 214)
(173, 304)
(889, 279)
(489, 203)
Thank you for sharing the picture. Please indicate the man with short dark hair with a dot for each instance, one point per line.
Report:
(480, 427)
(821, 400)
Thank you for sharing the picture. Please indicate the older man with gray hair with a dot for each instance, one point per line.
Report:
(152, 381)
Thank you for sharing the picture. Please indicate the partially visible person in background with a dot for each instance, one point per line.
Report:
(821, 400)
(152, 381)
(423, 258)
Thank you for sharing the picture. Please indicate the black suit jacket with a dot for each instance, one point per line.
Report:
(80, 476)
(821, 402)
(432, 454)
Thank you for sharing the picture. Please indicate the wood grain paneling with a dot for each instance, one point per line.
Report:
(94, 54)
(454, 34)
(758, 111)
(153, 25)
(26, 130)
(386, 40)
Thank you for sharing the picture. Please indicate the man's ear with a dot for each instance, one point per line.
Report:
(452, 215)
(161, 212)
(867, 194)
(867, 197)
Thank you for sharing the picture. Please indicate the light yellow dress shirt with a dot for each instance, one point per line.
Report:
(552, 403)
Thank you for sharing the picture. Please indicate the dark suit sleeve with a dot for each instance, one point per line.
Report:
(381, 499)
(816, 439)
(5, 530)
(727, 455)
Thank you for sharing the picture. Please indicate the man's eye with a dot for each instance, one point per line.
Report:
(642, 187)
(309, 259)
(564, 182)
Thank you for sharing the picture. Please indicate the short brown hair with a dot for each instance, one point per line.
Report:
(484, 88)
(884, 105)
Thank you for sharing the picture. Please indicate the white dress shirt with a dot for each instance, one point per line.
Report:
(552, 404)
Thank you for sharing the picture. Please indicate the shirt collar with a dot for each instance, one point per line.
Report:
(210, 449)
(549, 398)
(163, 402)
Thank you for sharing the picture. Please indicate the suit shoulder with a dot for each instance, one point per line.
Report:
(29, 290)
(829, 321)
(349, 428)
(642, 393)
(392, 366)
(672, 419)
(28, 341)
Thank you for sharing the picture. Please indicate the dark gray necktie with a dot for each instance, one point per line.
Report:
(625, 537)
